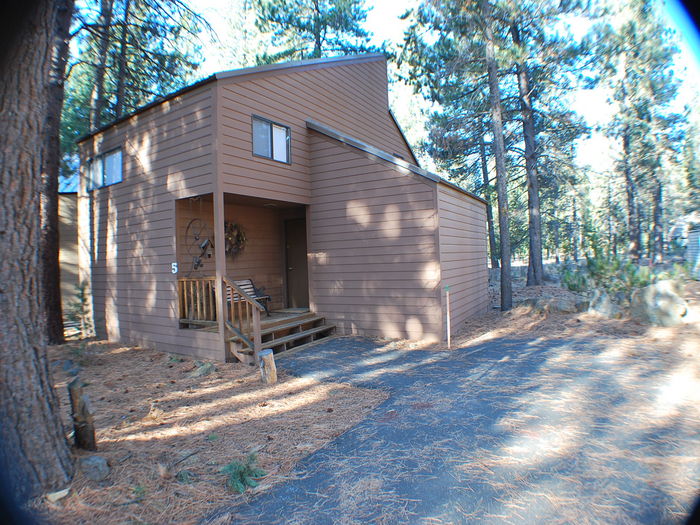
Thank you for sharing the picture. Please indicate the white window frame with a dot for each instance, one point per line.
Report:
(274, 153)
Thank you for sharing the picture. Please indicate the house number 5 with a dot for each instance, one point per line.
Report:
(173, 267)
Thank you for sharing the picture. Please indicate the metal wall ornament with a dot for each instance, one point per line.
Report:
(198, 242)
(235, 238)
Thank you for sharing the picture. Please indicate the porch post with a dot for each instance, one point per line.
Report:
(220, 263)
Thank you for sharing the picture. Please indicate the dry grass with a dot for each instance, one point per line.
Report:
(153, 421)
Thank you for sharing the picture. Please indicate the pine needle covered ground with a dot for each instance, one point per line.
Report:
(169, 436)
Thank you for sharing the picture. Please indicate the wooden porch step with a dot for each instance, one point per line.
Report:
(298, 335)
(288, 322)
(283, 341)
(291, 324)
(286, 325)
(296, 349)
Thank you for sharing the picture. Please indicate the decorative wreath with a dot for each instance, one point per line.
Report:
(234, 237)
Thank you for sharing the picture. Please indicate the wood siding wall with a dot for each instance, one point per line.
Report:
(68, 248)
(375, 239)
(188, 210)
(348, 97)
(262, 260)
(463, 256)
(167, 155)
(373, 253)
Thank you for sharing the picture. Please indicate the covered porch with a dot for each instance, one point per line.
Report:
(242, 272)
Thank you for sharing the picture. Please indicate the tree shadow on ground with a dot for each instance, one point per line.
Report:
(511, 430)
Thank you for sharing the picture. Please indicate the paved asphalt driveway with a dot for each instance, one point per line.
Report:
(508, 431)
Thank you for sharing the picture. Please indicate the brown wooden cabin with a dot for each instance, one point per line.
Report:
(300, 172)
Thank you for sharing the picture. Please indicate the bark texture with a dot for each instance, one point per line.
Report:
(51, 274)
(535, 270)
(121, 76)
(633, 221)
(493, 249)
(499, 155)
(34, 454)
(98, 100)
(658, 233)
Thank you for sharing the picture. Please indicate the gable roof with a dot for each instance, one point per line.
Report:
(393, 159)
(313, 63)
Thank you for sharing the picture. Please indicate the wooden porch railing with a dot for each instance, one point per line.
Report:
(242, 316)
(197, 306)
(197, 298)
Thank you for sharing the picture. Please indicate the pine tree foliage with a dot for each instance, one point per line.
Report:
(691, 169)
(303, 29)
(441, 58)
(640, 63)
(152, 49)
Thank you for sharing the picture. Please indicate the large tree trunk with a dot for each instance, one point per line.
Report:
(574, 229)
(556, 240)
(121, 74)
(535, 269)
(633, 226)
(318, 29)
(493, 249)
(51, 274)
(610, 221)
(98, 99)
(499, 155)
(34, 455)
(658, 223)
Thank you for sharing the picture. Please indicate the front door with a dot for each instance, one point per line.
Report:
(297, 272)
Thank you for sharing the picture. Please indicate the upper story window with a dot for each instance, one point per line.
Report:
(104, 170)
(271, 140)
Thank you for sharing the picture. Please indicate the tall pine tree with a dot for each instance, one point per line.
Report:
(313, 28)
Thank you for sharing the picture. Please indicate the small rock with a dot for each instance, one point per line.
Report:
(582, 305)
(601, 304)
(566, 306)
(659, 304)
(94, 467)
(551, 305)
(68, 365)
(203, 370)
(53, 497)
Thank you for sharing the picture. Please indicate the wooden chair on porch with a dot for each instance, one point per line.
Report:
(248, 287)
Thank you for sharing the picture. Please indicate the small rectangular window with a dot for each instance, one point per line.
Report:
(271, 140)
(261, 138)
(279, 143)
(104, 170)
(113, 167)
(95, 173)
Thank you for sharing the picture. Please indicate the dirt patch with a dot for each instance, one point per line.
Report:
(154, 421)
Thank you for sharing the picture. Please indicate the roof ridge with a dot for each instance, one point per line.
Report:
(360, 57)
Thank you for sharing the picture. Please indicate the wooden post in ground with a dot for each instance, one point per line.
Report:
(257, 335)
(268, 369)
(449, 327)
(83, 421)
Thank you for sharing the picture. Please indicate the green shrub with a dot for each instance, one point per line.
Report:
(78, 311)
(240, 476)
(615, 275)
(575, 280)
